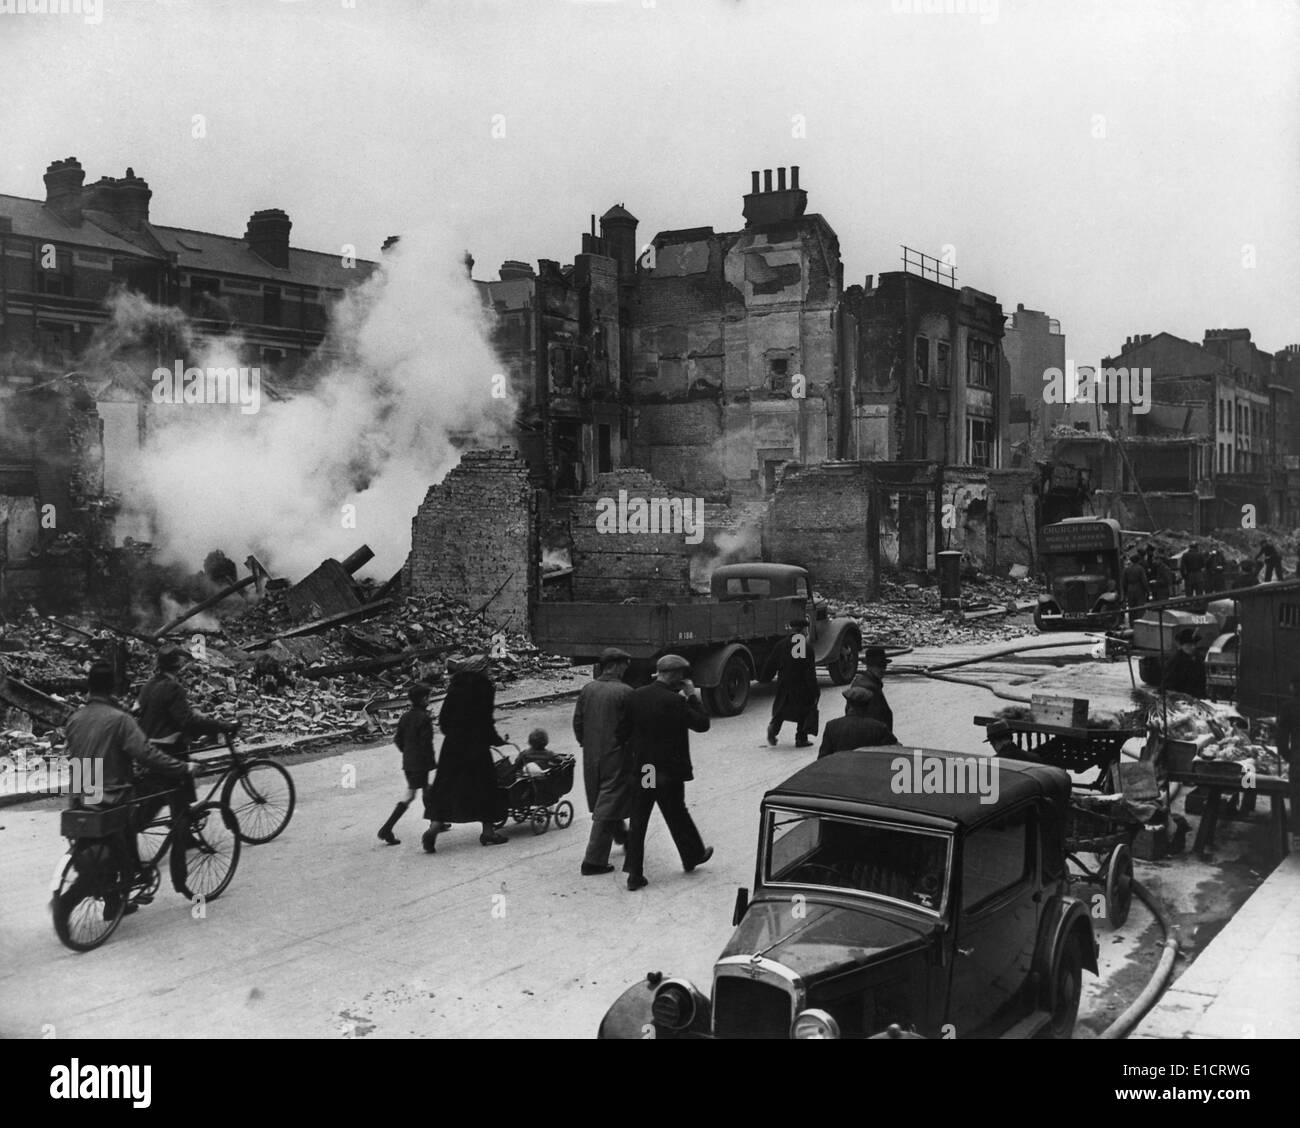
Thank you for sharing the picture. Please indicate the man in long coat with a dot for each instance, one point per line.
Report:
(657, 728)
(855, 729)
(1185, 671)
(795, 668)
(608, 771)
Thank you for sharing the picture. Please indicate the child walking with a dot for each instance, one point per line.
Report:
(414, 740)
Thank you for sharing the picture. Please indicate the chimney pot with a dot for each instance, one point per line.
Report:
(767, 180)
(780, 179)
(794, 177)
(754, 182)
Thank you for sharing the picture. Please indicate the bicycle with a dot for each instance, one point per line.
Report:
(259, 792)
(96, 884)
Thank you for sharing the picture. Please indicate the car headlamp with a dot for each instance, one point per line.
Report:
(674, 1007)
(814, 1023)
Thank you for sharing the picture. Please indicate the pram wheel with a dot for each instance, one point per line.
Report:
(520, 816)
(541, 821)
(563, 814)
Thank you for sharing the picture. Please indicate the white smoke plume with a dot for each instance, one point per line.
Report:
(408, 383)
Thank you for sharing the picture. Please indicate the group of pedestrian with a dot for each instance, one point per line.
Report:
(464, 789)
(636, 756)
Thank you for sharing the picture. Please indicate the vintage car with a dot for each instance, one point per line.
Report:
(930, 913)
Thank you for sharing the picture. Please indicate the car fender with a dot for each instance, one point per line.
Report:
(630, 1017)
(706, 670)
(830, 635)
(1065, 919)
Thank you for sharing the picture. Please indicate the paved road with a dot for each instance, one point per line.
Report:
(326, 933)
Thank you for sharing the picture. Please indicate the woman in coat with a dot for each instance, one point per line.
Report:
(465, 785)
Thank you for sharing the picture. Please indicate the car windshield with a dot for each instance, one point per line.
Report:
(905, 864)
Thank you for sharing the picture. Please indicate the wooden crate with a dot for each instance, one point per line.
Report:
(1068, 712)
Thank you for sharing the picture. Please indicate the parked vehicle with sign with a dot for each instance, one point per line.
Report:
(726, 637)
(877, 913)
(1082, 566)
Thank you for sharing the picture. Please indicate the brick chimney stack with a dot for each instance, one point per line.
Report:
(63, 181)
(781, 204)
(618, 229)
(267, 236)
(125, 200)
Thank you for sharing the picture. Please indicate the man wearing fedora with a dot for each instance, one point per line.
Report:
(872, 677)
(1185, 671)
(855, 729)
(656, 728)
(608, 772)
(795, 669)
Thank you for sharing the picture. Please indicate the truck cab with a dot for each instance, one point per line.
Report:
(1082, 567)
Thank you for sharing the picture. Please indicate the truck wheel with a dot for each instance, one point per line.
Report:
(843, 667)
(731, 694)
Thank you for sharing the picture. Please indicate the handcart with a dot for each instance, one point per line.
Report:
(1102, 820)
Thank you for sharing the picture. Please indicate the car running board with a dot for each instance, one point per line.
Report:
(1030, 1025)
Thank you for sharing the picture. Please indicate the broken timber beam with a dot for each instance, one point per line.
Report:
(33, 702)
(365, 611)
(374, 665)
(204, 604)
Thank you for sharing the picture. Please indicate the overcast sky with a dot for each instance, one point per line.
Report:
(1105, 162)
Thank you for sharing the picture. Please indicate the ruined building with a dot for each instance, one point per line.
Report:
(71, 423)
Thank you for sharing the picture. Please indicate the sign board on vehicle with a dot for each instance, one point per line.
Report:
(1077, 538)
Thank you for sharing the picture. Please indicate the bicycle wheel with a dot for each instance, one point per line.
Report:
(212, 853)
(150, 840)
(262, 798)
(90, 896)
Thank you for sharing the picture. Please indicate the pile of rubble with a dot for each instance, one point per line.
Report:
(280, 678)
(908, 614)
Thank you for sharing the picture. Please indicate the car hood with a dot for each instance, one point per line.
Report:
(814, 939)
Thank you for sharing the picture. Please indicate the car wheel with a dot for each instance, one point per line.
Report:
(845, 664)
(1067, 987)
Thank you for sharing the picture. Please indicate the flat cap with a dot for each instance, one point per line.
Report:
(672, 662)
(858, 695)
(614, 654)
(172, 655)
(997, 729)
(875, 656)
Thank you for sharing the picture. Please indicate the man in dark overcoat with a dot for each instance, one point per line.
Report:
(657, 727)
(608, 771)
(795, 669)
(855, 729)
(872, 677)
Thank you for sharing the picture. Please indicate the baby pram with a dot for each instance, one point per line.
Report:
(536, 799)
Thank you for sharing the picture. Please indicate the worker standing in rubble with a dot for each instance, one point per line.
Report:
(1271, 558)
(1192, 566)
(414, 739)
(465, 785)
(1135, 585)
(608, 772)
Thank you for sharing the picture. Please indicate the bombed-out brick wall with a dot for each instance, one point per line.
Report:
(1015, 517)
(823, 519)
(611, 561)
(474, 533)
